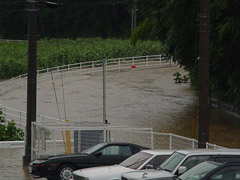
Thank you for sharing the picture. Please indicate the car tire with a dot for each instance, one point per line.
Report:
(65, 172)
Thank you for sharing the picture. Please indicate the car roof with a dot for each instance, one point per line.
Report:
(158, 151)
(210, 151)
(123, 143)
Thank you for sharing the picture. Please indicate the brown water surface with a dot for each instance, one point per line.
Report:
(146, 98)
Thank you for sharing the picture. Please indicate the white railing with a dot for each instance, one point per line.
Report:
(21, 116)
(10, 40)
(91, 67)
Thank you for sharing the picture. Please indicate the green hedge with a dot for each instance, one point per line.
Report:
(56, 52)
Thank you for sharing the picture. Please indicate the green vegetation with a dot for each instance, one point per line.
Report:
(179, 79)
(56, 52)
(10, 132)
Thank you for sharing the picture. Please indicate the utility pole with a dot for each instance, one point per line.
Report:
(204, 104)
(134, 16)
(32, 77)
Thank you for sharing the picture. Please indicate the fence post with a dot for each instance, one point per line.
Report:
(119, 64)
(68, 67)
(193, 144)
(146, 60)
(152, 139)
(133, 61)
(43, 119)
(80, 66)
(20, 116)
(160, 59)
(92, 64)
(171, 61)
(170, 141)
(54, 143)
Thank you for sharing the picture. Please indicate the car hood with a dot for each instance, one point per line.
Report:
(103, 173)
(40, 160)
(148, 174)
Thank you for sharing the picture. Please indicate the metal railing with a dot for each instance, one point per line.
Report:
(91, 67)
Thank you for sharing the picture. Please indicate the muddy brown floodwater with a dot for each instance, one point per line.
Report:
(139, 98)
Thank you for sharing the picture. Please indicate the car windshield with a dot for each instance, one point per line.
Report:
(171, 163)
(135, 161)
(199, 171)
(93, 148)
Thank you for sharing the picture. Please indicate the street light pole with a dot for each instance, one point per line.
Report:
(204, 104)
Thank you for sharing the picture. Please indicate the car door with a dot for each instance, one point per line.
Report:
(110, 155)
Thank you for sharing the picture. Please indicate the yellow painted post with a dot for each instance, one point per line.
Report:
(194, 127)
(68, 141)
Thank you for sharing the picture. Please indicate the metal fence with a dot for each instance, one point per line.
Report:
(68, 138)
(91, 67)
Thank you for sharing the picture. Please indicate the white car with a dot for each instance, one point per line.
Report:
(142, 160)
(181, 161)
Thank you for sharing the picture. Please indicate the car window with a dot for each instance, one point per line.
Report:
(227, 174)
(125, 151)
(94, 148)
(227, 159)
(171, 163)
(157, 161)
(199, 171)
(193, 161)
(117, 150)
(135, 149)
(135, 161)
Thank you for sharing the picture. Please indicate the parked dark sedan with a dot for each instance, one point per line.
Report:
(61, 167)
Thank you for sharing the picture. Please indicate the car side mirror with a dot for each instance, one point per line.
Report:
(98, 154)
(149, 166)
(182, 169)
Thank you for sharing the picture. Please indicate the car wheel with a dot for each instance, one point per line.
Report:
(65, 172)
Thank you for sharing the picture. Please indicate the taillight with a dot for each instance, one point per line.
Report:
(40, 165)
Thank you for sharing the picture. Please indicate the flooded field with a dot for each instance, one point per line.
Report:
(137, 98)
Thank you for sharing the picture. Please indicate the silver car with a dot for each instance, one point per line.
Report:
(181, 161)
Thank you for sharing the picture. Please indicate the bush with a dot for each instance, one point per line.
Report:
(10, 132)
